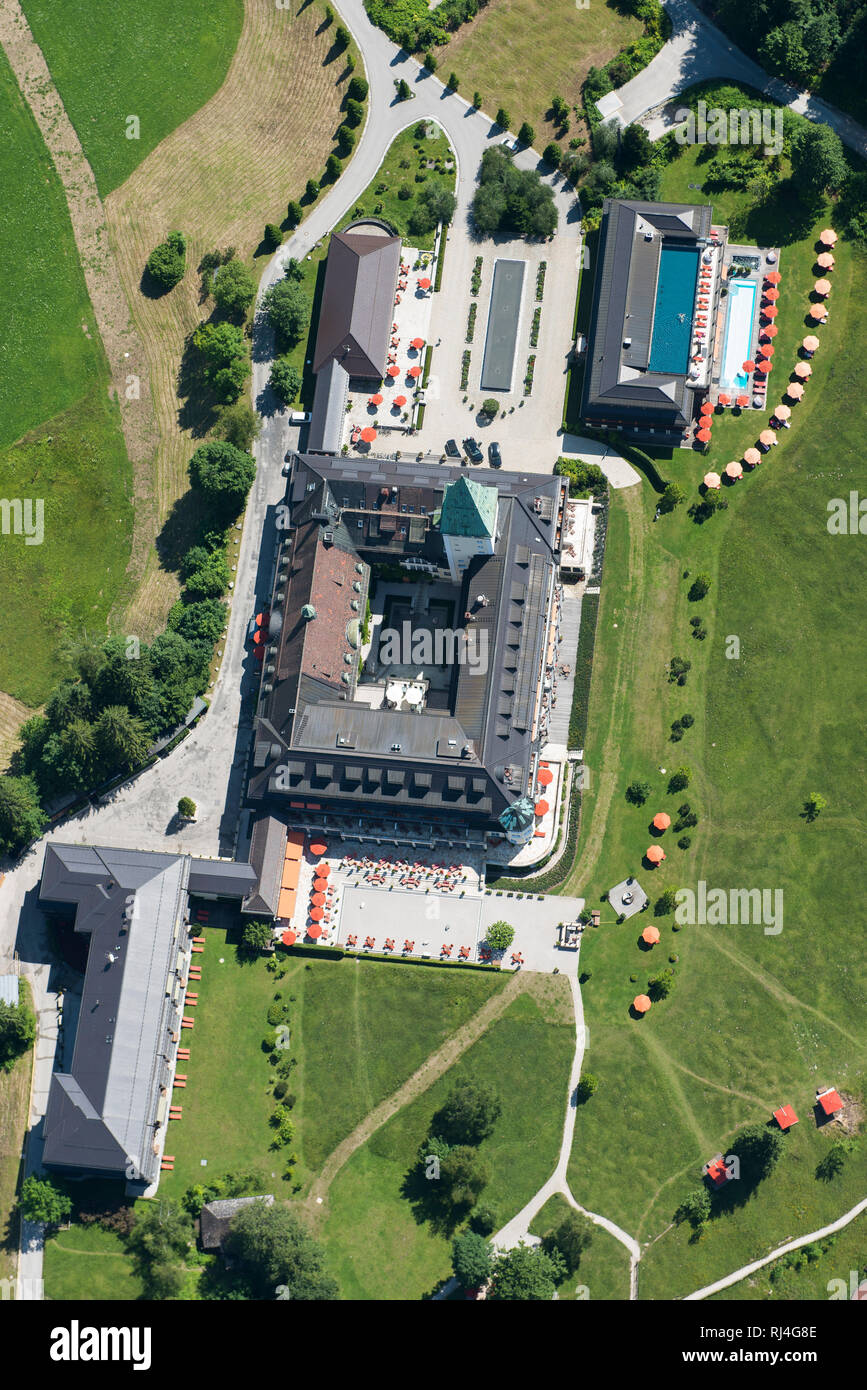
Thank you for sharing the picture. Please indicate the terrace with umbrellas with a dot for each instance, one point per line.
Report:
(391, 409)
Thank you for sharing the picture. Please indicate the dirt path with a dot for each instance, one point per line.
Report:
(430, 1071)
(122, 345)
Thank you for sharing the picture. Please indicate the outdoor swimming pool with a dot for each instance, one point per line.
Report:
(672, 319)
(739, 333)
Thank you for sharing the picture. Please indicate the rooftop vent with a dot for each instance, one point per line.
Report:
(308, 612)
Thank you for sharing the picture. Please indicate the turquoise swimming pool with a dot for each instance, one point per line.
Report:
(739, 334)
(672, 319)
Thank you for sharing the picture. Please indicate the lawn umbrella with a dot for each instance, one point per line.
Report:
(810, 343)
(734, 470)
(752, 457)
(794, 390)
(418, 344)
(724, 399)
(323, 870)
(368, 434)
(393, 370)
(772, 295)
(782, 412)
(541, 808)
(414, 371)
(770, 331)
(655, 854)
(712, 480)
(764, 366)
(803, 370)
(767, 437)
(376, 400)
(771, 313)
(424, 283)
(704, 436)
(317, 913)
(822, 287)
(749, 365)
(650, 935)
(318, 899)
(399, 401)
(641, 1003)
(706, 407)
(546, 777)
(818, 312)
(662, 820)
(828, 237)
(314, 932)
(825, 260)
(773, 277)
(289, 938)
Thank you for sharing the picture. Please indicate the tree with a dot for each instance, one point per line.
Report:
(273, 236)
(453, 82)
(403, 89)
(587, 1087)
(342, 37)
(354, 112)
(552, 154)
(17, 1032)
(512, 199)
(430, 60)
(333, 167)
(503, 118)
(679, 779)
(345, 139)
(288, 308)
(240, 425)
(434, 204)
(187, 808)
(203, 621)
(206, 573)
(294, 214)
(285, 380)
(483, 1220)
(255, 938)
(559, 110)
(526, 1273)
(636, 149)
(41, 1201)
(638, 792)
(569, 1240)
(477, 100)
(672, 497)
(311, 190)
(818, 160)
(659, 986)
(500, 936)
(463, 1177)
(699, 587)
(122, 739)
(234, 287)
(695, 1208)
(490, 407)
(276, 1253)
(813, 805)
(357, 89)
(666, 902)
(21, 816)
(167, 262)
(472, 1259)
(526, 134)
(759, 1148)
(469, 1114)
(223, 473)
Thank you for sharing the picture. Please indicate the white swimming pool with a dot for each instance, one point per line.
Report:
(739, 332)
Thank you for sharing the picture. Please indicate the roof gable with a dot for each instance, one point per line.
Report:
(469, 509)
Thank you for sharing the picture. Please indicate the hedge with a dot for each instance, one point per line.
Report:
(583, 671)
(339, 953)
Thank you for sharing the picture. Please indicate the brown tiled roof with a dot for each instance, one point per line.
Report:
(331, 593)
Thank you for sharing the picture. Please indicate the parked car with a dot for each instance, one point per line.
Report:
(510, 143)
(494, 456)
(452, 449)
(472, 448)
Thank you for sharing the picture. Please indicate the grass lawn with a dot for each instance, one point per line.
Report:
(755, 1019)
(87, 1262)
(14, 1103)
(604, 1267)
(406, 156)
(376, 1246)
(520, 53)
(358, 1032)
(112, 59)
(60, 437)
(807, 1273)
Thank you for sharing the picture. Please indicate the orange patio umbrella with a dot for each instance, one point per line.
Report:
(794, 390)
(734, 469)
(828, 237)
(772, 295)
(803, 370)
(368, 434)
(707, 408)
(773, 277)
(810, 343)
(317, 914)
(662, 820)
(749, 365)
(712, 480)
(650, 935)
(767, 437)
(546, 777)
(542, 808)
(818, 312)
(771, 313)
(323, 870)
(724, 399)
(320, 885)
(414, 371)
(704, 436)
(742, 401)
(393, 370)
(641, 1003)
(318, 847)
(764, 366)
(289, 938)
(825, 260)
(399, 400)
(424, 283)
(770, 331)
(376, 400)
(655, 854)
(752, 457)
(315, 931)
(418, 343)
(822, 287)
(317, 899)
(782, 412)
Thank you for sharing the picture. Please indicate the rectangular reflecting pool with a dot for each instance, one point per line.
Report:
(503, 316)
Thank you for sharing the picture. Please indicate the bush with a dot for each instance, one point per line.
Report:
(255, 938)
(500, 936)
(354, 112)
(357, 89)
(234, 287)
(526, 134)
(345, 139)
(679, 779)
(294, 214)
(311, 190)
(186, 808)
(699, 587)
(490, 407)
(342, 37)
(503, 118)
(587, 1086)
(552, 154)
(41, 1201)
(638, 792)
(223, 473)
(483, 1220)
(167, 262)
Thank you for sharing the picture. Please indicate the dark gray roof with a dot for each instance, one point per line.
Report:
(618, 388)
(216, 1218)
(358, 300)
(329, 408)
(102, 1114)
(267, 855)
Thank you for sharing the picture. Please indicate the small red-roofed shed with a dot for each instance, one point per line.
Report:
(717, 1171)
(785, 1117)
(829, 1101)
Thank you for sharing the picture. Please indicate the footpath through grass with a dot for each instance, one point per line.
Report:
(603, 1273)
(755, 1019)
(382, 1247)
(88, 1262)
(117, 61)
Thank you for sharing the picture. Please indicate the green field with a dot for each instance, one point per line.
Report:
(60, 437)
(603, 1273)
(87, 1262)
(112, 59)
(358, 1032)
(379, 1247)
(755, 1020)
(807, 1273)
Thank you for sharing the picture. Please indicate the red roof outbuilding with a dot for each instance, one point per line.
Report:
(830, 1102)
(717, 1172)
(785, 1117)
